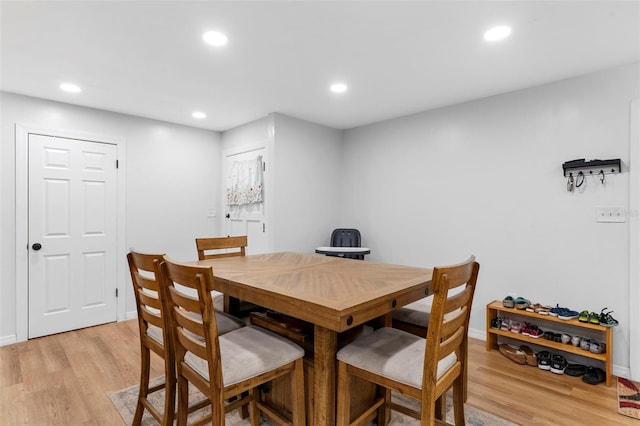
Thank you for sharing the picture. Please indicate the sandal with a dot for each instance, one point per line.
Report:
(496, 323)
(508, 302)
(544, 360)
(506, 324)
(558, 364)
(594, 318)
(584, 316)
(544, 309)
(533, 308)
(606, 320)
(535, 332)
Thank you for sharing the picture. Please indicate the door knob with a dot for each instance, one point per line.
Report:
(36, 246)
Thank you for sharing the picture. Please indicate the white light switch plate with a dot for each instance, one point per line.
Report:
(611, 214)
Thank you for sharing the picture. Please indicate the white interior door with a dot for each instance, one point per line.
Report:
(72, 234)
(248, 219)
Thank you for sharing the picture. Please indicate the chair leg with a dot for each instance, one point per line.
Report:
(384, 413)
(441, 407)
(344, 409)
(254, 412)
(169, 394)
(145, 366)
(458, 401)
(183, 401)
(297, 391)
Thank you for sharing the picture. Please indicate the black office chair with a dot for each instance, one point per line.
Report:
(345, 237)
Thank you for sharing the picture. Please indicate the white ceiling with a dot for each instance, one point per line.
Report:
(147, 58)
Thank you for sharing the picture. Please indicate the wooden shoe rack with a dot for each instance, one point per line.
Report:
(551, 323)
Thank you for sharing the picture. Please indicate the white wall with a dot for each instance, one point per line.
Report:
(485, 178)
(172, 177)
(308, 168)
(302, 180)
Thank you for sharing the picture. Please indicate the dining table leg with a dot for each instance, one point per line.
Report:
(324, 376)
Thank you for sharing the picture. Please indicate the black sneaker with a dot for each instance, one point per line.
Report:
(575, 370)
(594, 375)
(558, 364)
(544, 360)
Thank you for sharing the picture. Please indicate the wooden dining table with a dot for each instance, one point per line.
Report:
(332, 293)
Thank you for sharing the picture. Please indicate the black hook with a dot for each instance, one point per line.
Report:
(601, 176)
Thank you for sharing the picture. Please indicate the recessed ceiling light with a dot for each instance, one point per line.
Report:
(199, 115)
(338, 88)
(214, 38)
(497, 33)
(70, 87)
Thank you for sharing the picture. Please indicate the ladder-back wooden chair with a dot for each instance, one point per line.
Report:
(422, 369)
(225, 366)
(214, 248)
(156, 336)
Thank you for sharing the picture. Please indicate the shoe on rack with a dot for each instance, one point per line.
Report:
(584, 316)
(575, 370)
(567, 314)
(515, 355)
(529, 356)
(607, 320)
(558, 364)
(555, 311)
(496, 323)
(544, 360)
(535, 331)
(594, 318)
(508, 302)
(522, 303)
(597, 347)
(585, 343)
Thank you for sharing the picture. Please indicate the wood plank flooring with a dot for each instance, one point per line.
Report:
(65, 379)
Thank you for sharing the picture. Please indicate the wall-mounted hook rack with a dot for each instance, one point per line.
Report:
(591, 167)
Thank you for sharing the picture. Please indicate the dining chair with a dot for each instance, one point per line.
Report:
(420, 368)
(225, 366)
(218, 247)
(156, 337)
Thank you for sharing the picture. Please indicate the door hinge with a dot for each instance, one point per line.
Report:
(116, 292)
(263, 227)
(117, 164)
(264, 167)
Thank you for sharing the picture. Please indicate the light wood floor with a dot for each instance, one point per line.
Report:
(65, 379)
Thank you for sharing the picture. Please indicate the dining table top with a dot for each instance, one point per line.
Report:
(332, 292)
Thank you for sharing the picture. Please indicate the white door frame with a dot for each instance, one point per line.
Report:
(634, 242)
(22, 132)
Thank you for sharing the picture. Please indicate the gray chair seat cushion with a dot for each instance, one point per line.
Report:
(248, 352)
(226, 323)
(415, 313)
(394, 354)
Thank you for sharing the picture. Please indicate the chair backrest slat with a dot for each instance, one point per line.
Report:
(204, 245)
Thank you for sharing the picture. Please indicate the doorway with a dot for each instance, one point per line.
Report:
(69, 230)
(248, 218)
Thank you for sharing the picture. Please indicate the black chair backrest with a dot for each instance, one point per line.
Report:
(345, 238)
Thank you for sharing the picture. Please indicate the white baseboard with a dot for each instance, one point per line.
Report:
(8, 340)
(130, 315)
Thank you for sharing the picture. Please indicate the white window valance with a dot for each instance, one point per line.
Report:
(244, 182)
